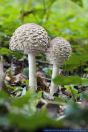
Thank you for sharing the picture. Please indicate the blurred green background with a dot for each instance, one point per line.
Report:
(65, 18)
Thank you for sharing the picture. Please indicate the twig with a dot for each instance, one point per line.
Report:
(61, 117)
(46, 78)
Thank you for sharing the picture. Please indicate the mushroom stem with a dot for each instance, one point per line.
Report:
(32, 72)
(53, 88)
(1, 72)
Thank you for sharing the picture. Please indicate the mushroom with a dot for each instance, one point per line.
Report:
(31, 39)
(58, 52)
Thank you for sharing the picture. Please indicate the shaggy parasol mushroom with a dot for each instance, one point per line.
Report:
(31, 39)
(58, 52)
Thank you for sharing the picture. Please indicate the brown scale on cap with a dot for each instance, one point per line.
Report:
(59, 51)
(29, 38)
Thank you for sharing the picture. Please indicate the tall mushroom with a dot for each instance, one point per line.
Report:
(31, 39)
(58, 52)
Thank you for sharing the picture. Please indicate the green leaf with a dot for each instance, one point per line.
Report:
(86, 69)
(38, 120)
(71, 89)
(65, 80)
(61, 100)
(30, 97)
(5, 51)
(84, 82)
(3, 95)
(68, 80)
(17, 54)
(21, 101)
(79, 2)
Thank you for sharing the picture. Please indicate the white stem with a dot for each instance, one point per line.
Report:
(32, 72)
(53, 87)
(1, 72)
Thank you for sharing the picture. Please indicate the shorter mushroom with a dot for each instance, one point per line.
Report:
(58, 52)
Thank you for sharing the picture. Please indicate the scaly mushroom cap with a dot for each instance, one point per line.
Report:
(29, 38)
(59, 51)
